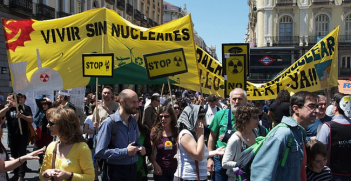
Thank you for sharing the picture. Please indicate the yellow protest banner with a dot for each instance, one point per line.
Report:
(165, 63)
(97, 65)
(210, 73)
(314, 71)
(234, 72)
(50, 49)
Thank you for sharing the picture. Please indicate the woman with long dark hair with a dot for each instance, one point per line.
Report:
(280, 107)
(163, 139)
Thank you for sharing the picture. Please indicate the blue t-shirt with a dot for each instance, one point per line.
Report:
(311, 129)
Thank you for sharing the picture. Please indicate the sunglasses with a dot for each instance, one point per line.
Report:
(176, 108)
(255, 117)
(201, 117)
(51, 123)
(165, 116)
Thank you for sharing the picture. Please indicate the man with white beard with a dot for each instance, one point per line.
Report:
(218, 127)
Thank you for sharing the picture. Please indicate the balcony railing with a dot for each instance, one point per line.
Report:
(314, 39)
(286, 3)
(345, 71)
(346, 1)
(285, 40)
(45, 12)
(111, 1)
(62, 14)
(137, 15)
(121, 4)
(22, 6)
(129, 9)
(143, 20)
(150, 22)
(323, 2)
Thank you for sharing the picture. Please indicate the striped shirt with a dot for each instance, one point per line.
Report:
(324, 175)
(186, 164)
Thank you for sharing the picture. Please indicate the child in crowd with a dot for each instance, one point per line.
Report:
(316, 160)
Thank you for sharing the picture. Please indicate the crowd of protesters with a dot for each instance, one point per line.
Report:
(188, 136)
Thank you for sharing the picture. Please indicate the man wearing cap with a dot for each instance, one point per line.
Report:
(43, 137)
(150, 114)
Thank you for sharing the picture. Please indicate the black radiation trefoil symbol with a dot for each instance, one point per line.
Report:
(235, 66)
(178, 61)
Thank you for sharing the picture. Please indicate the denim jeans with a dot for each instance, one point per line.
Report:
(166, 175)
(219, 173)
(341, 178)
(121, 172)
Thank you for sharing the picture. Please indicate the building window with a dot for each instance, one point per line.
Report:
(136, 4)
(348, 27)
(82, 3)
(61, 6)
(285, 28)
(95, 5)
(72, 7)
(88, 4)
(322, 25)
(346, 62)
(142, 7)
(345, 68)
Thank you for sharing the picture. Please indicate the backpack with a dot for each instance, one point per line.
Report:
(247, 156)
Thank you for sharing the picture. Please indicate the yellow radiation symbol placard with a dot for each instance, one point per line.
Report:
(234, 67)
(165, 63)
(98, 64)
(238, 49)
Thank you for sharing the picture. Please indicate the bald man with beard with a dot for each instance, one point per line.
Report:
(120, 146)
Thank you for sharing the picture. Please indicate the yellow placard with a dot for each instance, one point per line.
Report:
(238, 49)
(234, 73)
(165, 63)
(98, 65)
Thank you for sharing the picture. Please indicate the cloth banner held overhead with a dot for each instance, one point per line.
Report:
(314, 71)
(211, 74)
(47, 55)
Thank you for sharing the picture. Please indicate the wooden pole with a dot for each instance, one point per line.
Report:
(170, 91)
(96, 99)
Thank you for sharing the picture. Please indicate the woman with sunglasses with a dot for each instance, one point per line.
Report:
(246, 120)
(193, 153)
(163, 140)
(70, 157)
(177, 109)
